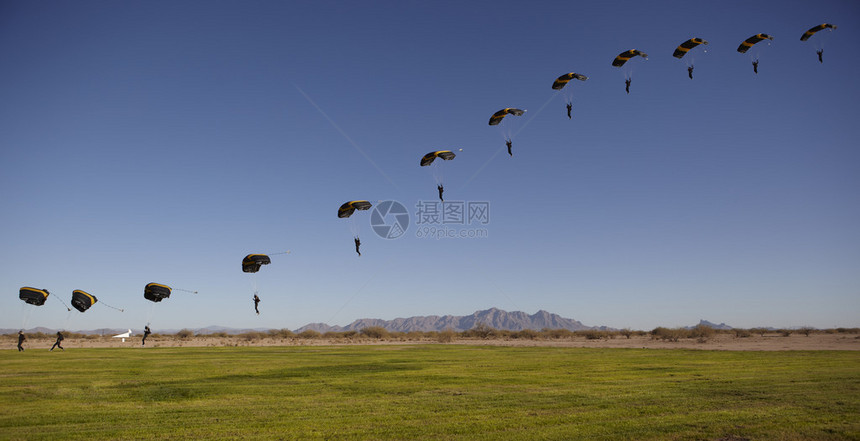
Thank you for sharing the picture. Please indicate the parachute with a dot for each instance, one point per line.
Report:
(156, 292)
(348, 208)
(749, 42)
(622, 58)
(626, 55)
(819, 49)
(252, 262)
(428, 159)
(685, 47)
(33, 296)
(808, 34)
(498, 116)
(562, 81)
(82, 300)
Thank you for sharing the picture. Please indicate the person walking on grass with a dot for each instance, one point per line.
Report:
(21, 339)
(146, 333)
(59, 340)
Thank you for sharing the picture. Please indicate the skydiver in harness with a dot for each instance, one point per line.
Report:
(627, 85)
(256, 302)
(820, 53)
(509, 143)
(21, 339)
(569, 108)
(690, 72)
(357, 245)
(146, 333)
(755, 66)
(441, 190)
(59, 340)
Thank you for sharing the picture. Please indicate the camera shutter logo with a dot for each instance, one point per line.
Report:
(389, 219)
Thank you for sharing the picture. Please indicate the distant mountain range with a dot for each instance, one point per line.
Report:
(493, 318)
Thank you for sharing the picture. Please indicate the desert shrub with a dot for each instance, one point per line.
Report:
(446, 336)
(785, 332)
(280, 333)
(219, 335)
(377, 332)
(701, 333)
(526, 334)
(185, 334)
(742, 333)
(481, 330)
(760, 331)
(592, 334)
(252, 336)
(674, 334)
(626, 332)
(309, 334)
(556, 333)
(806, 330)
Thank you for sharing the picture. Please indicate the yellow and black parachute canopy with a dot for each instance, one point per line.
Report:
(686, 46)
(156, 292)
(82, 300)
(626, 55)
(749, 42)
(33, 296)
(562, 81)
(808, 34)
(252, 262)
(497, 117)
(428, 159)
(348, 208)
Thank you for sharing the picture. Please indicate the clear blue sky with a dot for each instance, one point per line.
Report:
(162, 141)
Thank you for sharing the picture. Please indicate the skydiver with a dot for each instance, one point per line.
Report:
(441, 190)
(256, 302)
(509, 143)
(690, 72)
(755, 66)
(59, 340)
(627, 85)
(357, 244)
(21, 339)
(146, 333)
(569, 108)
(820, 53)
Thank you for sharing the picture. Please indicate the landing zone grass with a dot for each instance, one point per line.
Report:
(438, 392)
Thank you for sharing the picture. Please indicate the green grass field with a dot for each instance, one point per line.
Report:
(428, 392)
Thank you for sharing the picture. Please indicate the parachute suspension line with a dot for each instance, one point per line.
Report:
(64, 303)
(25, 315)
(276, 254)
(150, 313)
(185, 290)
(112, 307)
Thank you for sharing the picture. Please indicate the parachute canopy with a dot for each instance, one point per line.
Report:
(686, 46)
(82, 300)
(749, 42)
(428, 159)
(808, 34)
(33, 296)
(348, 208)
(252, 262)
(156, 292)
(626, 55)
(562, 81)
(497, 117)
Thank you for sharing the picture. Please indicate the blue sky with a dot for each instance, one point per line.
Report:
(162, 141)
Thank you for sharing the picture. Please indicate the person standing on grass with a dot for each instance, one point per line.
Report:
(59, 340)
(146, 333)
(21, 339)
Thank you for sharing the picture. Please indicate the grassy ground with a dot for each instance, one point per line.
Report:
(428, 392)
